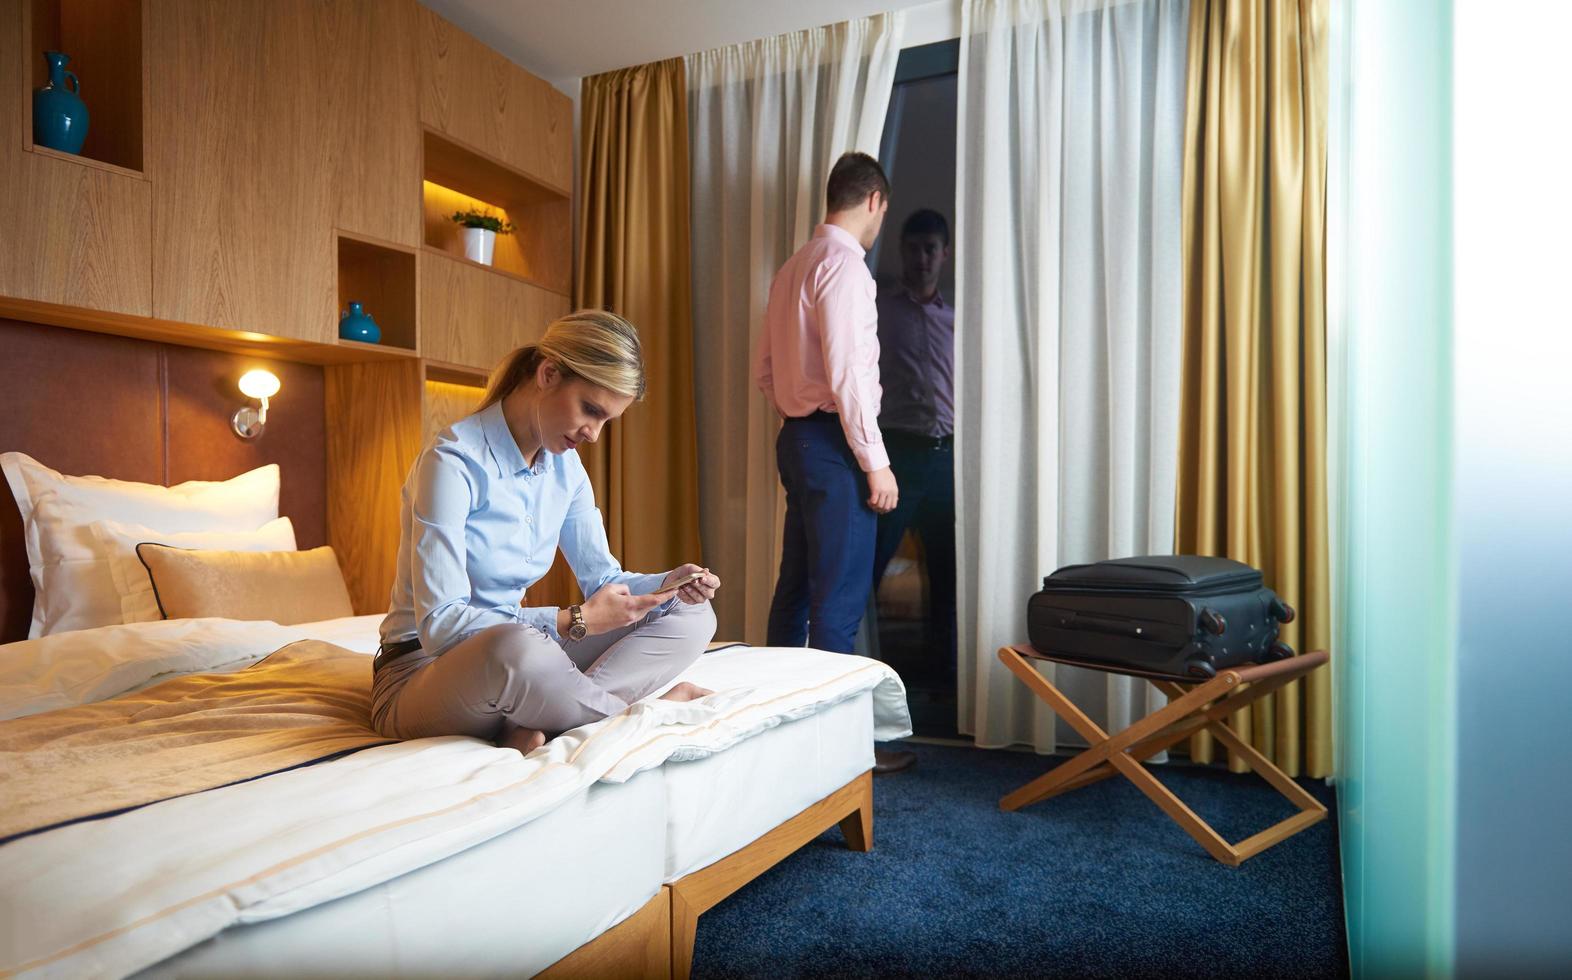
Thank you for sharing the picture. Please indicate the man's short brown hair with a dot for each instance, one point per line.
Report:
(852, 179)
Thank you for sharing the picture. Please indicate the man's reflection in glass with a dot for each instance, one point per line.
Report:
(917, 417)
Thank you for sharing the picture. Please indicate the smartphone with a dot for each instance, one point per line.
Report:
(679, 583)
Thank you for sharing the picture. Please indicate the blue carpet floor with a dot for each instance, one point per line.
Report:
(1095, 883)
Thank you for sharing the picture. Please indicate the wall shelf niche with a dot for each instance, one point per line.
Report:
(458, 178)
(105, 39)
(384, 280)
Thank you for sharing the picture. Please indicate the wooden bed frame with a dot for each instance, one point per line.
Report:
(657, 940)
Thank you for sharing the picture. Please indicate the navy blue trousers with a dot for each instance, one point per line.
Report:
(827, 555)
(925, 474)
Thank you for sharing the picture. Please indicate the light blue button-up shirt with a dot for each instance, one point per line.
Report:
(480, 526)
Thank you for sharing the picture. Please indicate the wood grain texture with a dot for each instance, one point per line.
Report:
(637, 947)
(276, 121)
(243, 204)
(366, 66)
(373, 414)
(72, 233)
(196, 335)
(474, 316)
(473, 94)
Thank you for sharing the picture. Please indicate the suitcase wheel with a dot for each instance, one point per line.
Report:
(1278, 651)
(1202, 669)
(1282, 611)
(1213, 622)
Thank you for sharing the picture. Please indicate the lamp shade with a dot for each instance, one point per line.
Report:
(259, 384)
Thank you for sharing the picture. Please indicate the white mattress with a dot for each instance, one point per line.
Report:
(718, 805)
(464, 916)
(510, 906)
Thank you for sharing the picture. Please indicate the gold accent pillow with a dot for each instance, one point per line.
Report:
(286, 587)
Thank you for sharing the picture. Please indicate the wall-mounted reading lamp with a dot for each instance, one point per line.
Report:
(260, 384)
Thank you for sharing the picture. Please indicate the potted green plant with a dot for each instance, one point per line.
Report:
(480, 230)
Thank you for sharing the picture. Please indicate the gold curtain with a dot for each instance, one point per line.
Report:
(1252, 464)
(633, 259)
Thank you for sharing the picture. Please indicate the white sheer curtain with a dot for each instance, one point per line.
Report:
(1068, 275)
(766, 120)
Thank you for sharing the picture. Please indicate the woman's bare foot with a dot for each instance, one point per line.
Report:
(526, 740)
(686, 691)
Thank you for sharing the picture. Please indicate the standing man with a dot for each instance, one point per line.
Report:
(917, 368)
(818, 364)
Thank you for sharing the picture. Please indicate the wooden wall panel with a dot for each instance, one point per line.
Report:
(373, 414)
(274, 122)
(473, 316)
(72, 232)
(476, 96)
(366, 61)
(238, 151)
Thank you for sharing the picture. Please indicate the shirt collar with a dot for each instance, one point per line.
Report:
(938, 298)
(504, 448)
(841, 235)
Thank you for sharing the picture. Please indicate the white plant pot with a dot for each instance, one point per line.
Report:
(479, 244)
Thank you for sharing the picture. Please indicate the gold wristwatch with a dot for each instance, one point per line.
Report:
(577, 630)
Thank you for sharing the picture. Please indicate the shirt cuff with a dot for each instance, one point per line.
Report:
(543, 618)
(872, 457)
(644, 584)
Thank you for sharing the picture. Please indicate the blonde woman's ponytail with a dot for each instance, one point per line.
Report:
(596, 345)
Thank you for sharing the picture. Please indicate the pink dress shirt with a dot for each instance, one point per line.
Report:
(820, 348)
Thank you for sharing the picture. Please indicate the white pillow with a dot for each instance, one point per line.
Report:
(117, 543)
(73, 583)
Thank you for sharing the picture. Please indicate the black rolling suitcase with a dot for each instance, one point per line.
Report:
(1178, 615)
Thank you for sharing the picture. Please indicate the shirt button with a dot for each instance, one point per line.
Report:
(529, 518)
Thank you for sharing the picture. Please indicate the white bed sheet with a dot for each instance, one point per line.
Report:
(464, 915)
(510, 906)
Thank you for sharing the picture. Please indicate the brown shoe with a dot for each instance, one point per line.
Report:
(886, 761)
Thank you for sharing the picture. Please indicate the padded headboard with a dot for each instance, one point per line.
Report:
(87, 403)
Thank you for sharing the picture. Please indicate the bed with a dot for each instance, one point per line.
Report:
(671, 794)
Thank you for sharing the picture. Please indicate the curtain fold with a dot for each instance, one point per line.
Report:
(1068, 324)
(1252, 470)
(767, 121)
(634, 259)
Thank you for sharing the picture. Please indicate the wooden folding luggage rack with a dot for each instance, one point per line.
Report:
(1203, 706)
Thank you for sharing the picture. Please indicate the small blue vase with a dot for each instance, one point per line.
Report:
(59, 114)
(358, 325)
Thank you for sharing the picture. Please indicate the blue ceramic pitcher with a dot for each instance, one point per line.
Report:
(358, 325)
(59, 114)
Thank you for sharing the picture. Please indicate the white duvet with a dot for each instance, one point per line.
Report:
(108, 897)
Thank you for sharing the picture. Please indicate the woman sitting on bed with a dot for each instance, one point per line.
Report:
(485, 508)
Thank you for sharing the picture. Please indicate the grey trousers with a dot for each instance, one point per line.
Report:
(518, 674)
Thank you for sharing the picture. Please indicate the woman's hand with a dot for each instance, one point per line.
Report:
(695, 592)
(613, 607)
